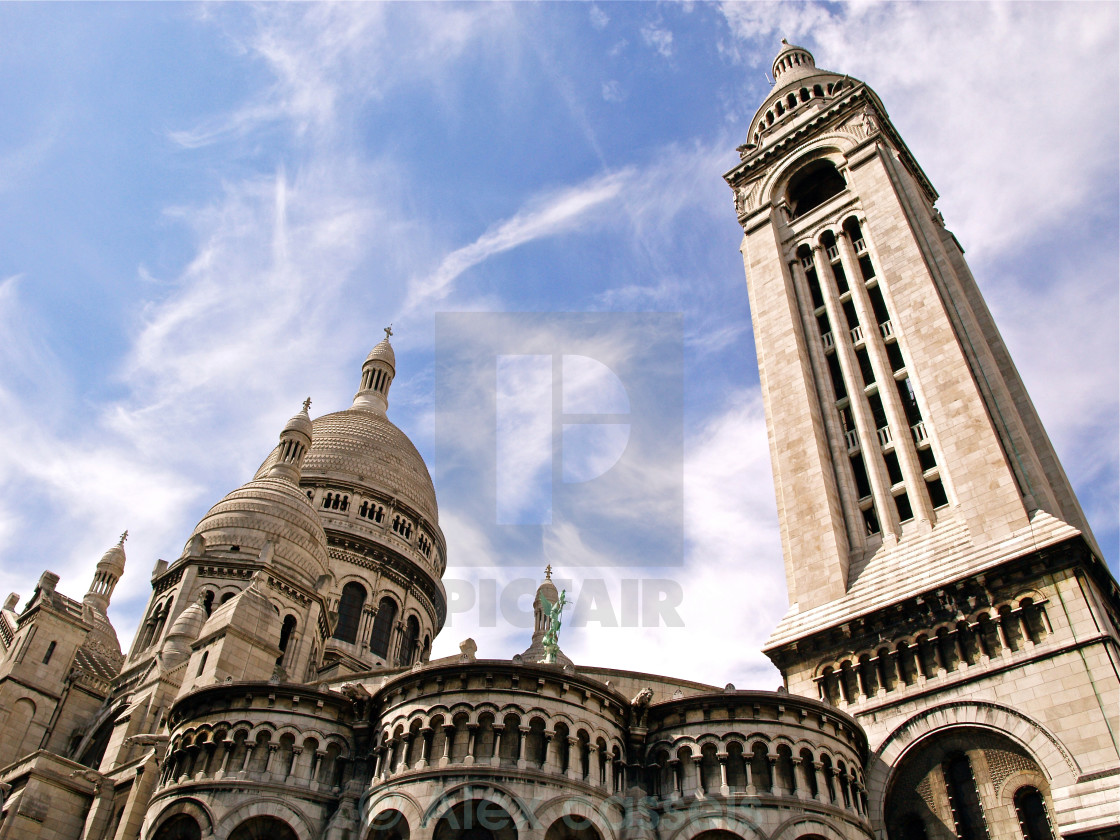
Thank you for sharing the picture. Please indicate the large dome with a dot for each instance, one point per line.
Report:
(365, 447)
(269, 510)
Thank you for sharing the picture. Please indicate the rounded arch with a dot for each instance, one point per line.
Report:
(715, 825)
(975, 762)
(272, 807)
(384, 620)
(182, 807)
(389, 824)
(350, 606)
(582, 813)
(522, 817)
(1042, 745)
(807, 828)
(263, 828)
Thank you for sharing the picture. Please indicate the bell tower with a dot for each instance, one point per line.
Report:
(936, 556)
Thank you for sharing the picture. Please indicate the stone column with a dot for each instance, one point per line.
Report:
(472, 734)
(801, 778)
(575, 759)
(229, 744)
(748, 757)
(272, 748)
(724, 788)
(818, 774)
(449, 736)
(426, 734)
(313, 775)
(402, 762)
(249, 748)
(291, 770)
(551, 764)
(697, 763)
(775, 788)
(678, 783)
(523, 737)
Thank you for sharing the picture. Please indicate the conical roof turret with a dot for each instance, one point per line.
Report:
(109, 570)
(378, 371)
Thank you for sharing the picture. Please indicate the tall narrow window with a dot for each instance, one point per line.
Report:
(905, 511)
(814, 288)
(409, 642)
(909, 401)
(50, 652)
(383, 627)
(1034, 820)
(863, 486)
(350, 612)
(964, 798)
(865, 369)
(286, 631)
(837, 377)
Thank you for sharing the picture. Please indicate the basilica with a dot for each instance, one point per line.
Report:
(950, 653)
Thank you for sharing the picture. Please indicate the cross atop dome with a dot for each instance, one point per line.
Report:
(124, 537)
(388, 332)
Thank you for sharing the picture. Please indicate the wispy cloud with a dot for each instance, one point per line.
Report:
(547, 215)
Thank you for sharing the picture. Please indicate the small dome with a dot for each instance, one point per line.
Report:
(113, 560)
(383, 351)
(273, 512)
(177, 644)
(300, 422)
(792, 62)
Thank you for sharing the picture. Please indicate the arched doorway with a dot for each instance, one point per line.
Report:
(962, 782)
(572, 827)
(476, 819)
(389, 825)
(179, 827)
(263, 828)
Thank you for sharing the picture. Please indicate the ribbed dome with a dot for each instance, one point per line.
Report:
(383, 350)
(270, 510)
(366, 448)
(113, 560)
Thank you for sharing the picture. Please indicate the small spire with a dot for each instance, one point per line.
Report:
(295, 440)
(124, 537)
(378, 371)
(548, 572)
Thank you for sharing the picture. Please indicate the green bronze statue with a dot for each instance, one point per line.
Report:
(553, 611)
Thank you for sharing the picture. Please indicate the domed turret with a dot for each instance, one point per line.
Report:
(270, 516)
(177, 643)
(792, 63)
(109, 570)
(377, 375)
(542, 620)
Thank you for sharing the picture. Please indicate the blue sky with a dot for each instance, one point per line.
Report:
(208, 212)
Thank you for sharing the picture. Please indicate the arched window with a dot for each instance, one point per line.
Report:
(1034, 820)
(383, 627)
(286, 631)
(813, 186)
(408, 644)
(263, 828)
(350, 612)
(179, 827)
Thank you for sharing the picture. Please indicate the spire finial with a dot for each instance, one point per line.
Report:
(388, 331)
(124, 537)
(548, 572)
(307, 404)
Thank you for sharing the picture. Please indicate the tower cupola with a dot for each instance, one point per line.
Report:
(109, 570)
(378, 371)
(295, 440)
(792, 62)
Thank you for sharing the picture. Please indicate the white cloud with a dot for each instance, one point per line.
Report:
(599, 18)
(551, 214)
(658, 38)
(613, 92)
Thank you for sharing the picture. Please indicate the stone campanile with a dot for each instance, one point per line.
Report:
(944, 585)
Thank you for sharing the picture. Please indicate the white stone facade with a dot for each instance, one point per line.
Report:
(950, 653)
